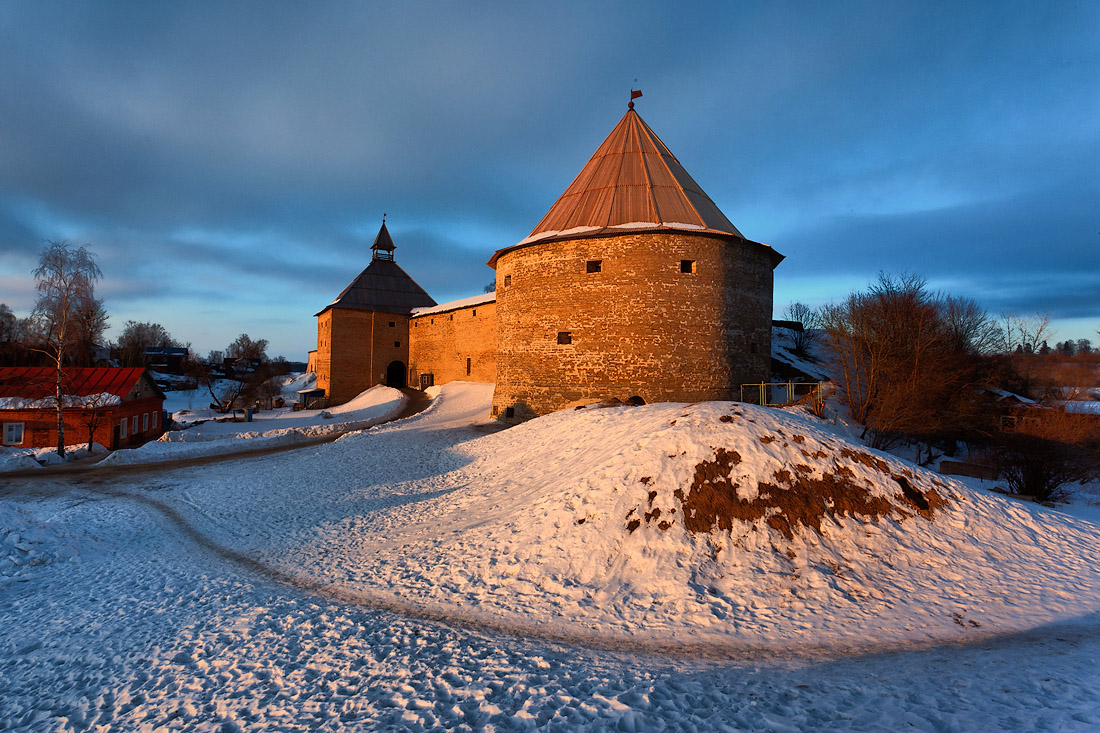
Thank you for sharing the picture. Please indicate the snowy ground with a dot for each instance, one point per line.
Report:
(349, 585)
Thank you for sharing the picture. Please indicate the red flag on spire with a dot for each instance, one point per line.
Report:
(635, 93)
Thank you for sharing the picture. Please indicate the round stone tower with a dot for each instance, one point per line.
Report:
(634, 284)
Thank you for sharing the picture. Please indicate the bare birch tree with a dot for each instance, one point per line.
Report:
(65, 282)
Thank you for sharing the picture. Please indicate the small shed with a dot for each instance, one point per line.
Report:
(117, 407)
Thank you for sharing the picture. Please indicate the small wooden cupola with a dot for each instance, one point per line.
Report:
(383, 244)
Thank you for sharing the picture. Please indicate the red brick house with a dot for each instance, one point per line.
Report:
(120, 407)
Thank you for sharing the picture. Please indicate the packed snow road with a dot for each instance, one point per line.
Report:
(172, 602)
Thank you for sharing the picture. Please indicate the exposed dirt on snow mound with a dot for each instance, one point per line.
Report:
(793, 499)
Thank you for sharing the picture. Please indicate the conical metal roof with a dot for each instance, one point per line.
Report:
(632, 182)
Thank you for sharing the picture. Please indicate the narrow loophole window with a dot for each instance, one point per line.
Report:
(687, 266)
(594, 266)
(467, 366)
(507, 280)
(565, 337)
(396, 343)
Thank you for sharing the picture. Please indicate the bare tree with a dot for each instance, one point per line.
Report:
(65, 282)
(91, 323)
(247, 349)
(136, 338)
(1049, 449)
(245, 383)
(96, 408)
(810, 319)
(906, 360)
(1025, 336)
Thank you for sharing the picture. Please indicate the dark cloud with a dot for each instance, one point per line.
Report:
(231, 163)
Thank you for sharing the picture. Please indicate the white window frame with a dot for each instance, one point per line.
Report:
(156, 419)
(145, 422)
(133, 425)
(9, 430)
(122, 428)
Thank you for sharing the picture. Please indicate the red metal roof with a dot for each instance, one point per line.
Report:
(632, 182)
(37, 382)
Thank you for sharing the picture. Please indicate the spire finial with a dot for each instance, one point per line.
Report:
(383, 217)
(634, 94)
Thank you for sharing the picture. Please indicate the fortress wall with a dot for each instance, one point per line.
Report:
(361, 345)
(442, 344)
(639, 326)
(323, 359)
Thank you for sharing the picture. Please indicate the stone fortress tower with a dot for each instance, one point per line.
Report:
(634, 284)
(363, 335)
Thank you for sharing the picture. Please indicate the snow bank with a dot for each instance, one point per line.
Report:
(18, 459)
(27, 544)
(268, 429)
(724, 522)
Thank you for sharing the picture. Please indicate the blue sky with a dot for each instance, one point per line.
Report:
(230, 162)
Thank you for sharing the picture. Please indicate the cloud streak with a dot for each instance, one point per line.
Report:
(231, 166)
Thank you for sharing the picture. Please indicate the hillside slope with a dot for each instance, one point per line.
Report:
(717, 522)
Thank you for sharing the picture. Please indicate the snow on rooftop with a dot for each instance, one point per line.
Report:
(582, 230)
(100, 399)
(456, 304)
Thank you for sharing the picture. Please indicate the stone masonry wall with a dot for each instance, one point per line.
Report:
(454, 345)
(323, 360)
(638, 327)
(360, 346)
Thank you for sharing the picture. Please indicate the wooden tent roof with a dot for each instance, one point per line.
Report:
(34, 383)
(632, 182)
(383, 286)
(383, 241)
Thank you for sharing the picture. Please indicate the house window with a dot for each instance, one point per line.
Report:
(13, 433)
(393, 323)
(467, 366)
(687, 266)
(122, 428)
(145, 422)
(156, 420)
(565, 337)
(133, 425)
(507, 280)
(594, 266)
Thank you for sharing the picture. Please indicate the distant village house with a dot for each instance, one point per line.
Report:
(120, 407)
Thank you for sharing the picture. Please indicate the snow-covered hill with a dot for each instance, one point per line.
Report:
(719, 522)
